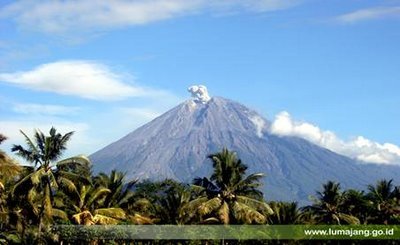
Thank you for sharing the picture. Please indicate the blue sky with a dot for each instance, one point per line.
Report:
(103, 68)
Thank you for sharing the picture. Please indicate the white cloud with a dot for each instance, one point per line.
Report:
(88, 80)
(369, 14)
(359, 148)
(41, 109)
(391, 148)
(64, 16)
(259, 123)
(85, 79)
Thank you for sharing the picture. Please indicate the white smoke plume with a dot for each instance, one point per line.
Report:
(359, 148)
(199, 93)
(259, 123)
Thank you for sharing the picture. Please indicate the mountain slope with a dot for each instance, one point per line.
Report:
(176, 144)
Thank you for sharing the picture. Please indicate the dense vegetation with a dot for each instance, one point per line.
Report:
(65, 191)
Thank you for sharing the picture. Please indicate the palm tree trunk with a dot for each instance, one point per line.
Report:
(47, 191)
(40, 227)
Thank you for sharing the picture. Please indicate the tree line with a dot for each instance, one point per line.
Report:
(54, 191)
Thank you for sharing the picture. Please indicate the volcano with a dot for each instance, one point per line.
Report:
(176, 144)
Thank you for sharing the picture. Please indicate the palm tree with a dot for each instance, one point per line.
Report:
(10, 216)
(44, 149)
(39, 185)
(356, 204)
(228, 197)
(285, 213)
(159, 201)
(9, 168)
(173, 197)
(396, 197)
(88, 209)
(120, 191)
(384, 197)
(326, 209)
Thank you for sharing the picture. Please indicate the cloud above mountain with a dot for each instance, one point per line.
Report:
(86, 79)
(65, 16)
(370, 14)
(360, 148)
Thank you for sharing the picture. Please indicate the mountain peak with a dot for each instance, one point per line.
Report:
(176, 144)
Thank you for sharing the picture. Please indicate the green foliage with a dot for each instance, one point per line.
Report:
(64, 191)
(160, 201)
(326, 208)
(384, 198)
(284, 213)
(9, 168)
(120, 191)
(43, 150)
(229, 197)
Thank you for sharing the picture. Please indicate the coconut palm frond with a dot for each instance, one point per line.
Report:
(32, 199)
(67, 185)
(98, 194)
(37, 176)
(194, 204)
(143, 202)
(256, 204)
(284, 213)
(2, 138)
(75, 177)
(117, 213)
(59, 214)
(31, 154)
(104, 220)
(197, 190)
(252, 179)
(83, 218)
(381, 191)
(65, 138)
(32, 147)
(247, 214)
(73, 161)
(223, 213)
(9, 167)
(189, 210)
(142, 220)
(26, 154)
(52, 179)
(205, 183)
(40, 141)
(207, 207)
(23, 185)
(211, 220)
(348, 219)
